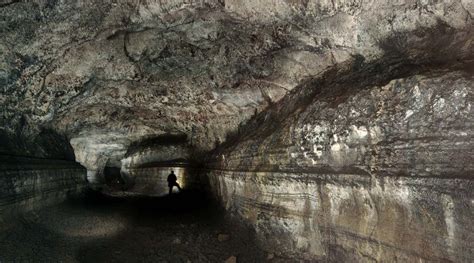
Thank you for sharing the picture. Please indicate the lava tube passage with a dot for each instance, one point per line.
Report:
(236, 131)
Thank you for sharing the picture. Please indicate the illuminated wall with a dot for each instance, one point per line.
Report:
(153, 180)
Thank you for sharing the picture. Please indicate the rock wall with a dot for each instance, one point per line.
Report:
(32, 183)
(359, 173)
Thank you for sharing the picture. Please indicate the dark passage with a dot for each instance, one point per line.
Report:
(113, 178)
(184, 227)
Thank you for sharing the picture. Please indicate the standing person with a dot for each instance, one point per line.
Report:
(172, 181)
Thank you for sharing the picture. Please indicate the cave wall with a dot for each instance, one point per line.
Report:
(377, 173)
(28, 183)
(37, 169)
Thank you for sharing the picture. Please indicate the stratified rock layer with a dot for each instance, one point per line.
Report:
(27, 184)
(383, 173)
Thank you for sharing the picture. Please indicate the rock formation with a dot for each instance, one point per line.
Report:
(339, 130)
(386, 168)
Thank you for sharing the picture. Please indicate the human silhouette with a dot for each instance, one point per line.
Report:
(172, 181)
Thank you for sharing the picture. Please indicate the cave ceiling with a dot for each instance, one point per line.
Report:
(109, 74)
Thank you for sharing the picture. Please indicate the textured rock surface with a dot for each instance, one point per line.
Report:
(347, 123)
(379, 174)
(108, 74)
(27, 184)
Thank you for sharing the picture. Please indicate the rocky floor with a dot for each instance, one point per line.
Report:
(181, 228)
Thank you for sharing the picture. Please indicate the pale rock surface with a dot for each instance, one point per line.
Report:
(382, 173)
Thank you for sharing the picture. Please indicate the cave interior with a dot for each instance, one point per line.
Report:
(298, 130)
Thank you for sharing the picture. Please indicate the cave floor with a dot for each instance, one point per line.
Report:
(179, 228)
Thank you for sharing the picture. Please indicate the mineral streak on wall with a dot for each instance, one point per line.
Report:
(384, 174)
(31, 183)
